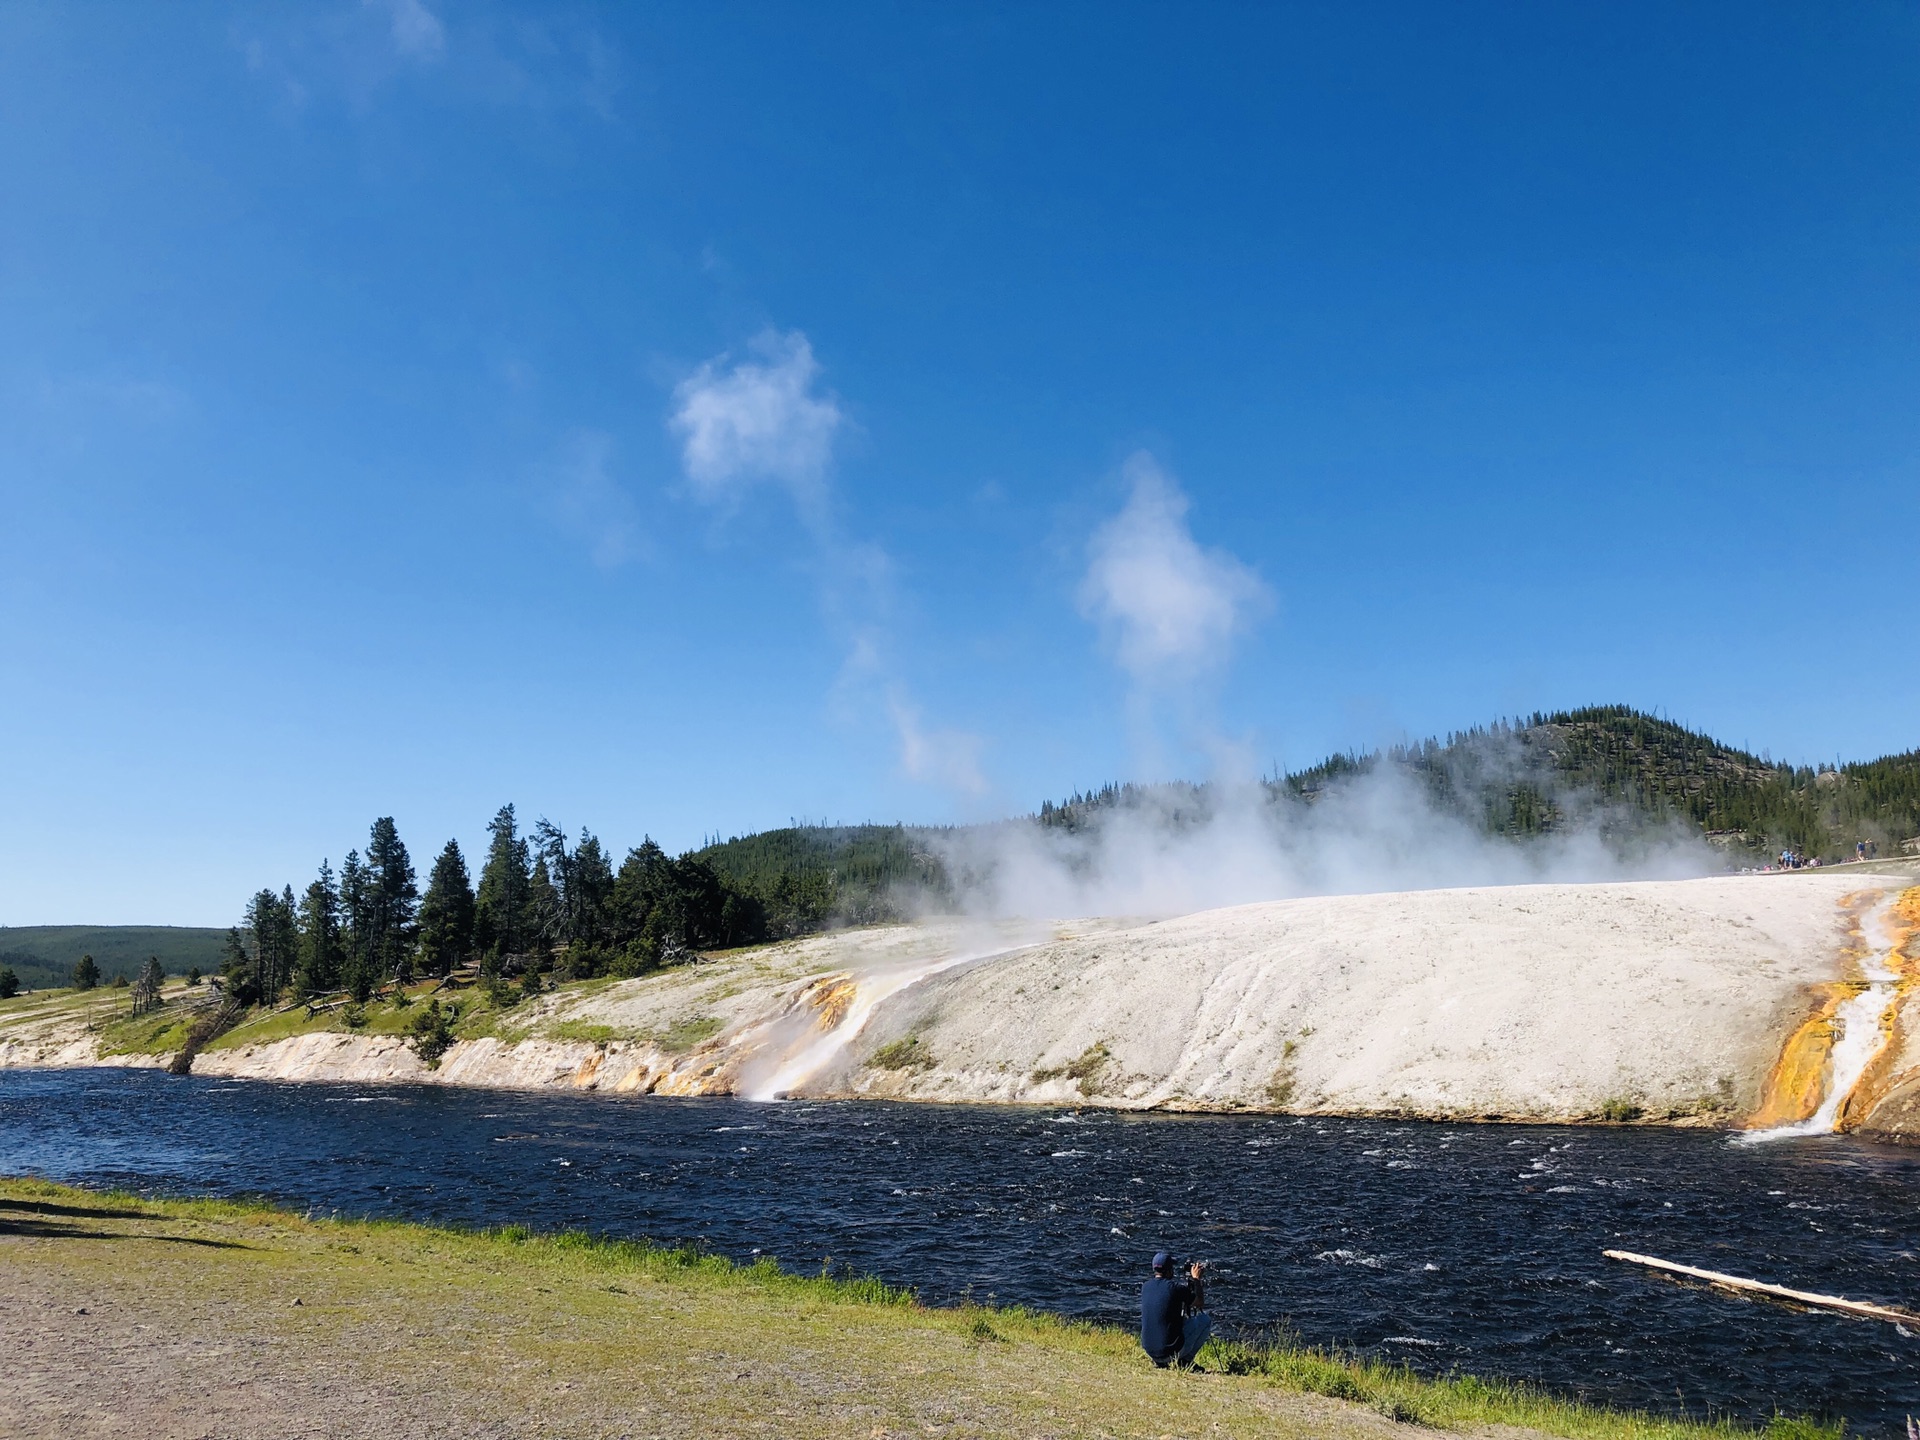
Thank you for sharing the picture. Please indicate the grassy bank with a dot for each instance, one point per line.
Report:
(142, 1314)
(472, 1012)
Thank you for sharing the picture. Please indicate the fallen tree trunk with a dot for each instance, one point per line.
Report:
(1760, 1287)
(204, 1031)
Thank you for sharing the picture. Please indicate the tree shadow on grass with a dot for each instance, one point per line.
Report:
(89, 1212)
(52, 1230)
(31, 1226)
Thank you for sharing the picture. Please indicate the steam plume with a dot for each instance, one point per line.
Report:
(1176, 849)
(1169, 610)
(766, 420)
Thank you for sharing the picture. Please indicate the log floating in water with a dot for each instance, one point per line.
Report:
(1804, 1297)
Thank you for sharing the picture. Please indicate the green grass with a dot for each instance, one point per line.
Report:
(50, 1002)
(682, 1035)
(881, 1340)
(594, 986)
(478, 1019)
(103, 1011)
(474, 1018)
(160, 1032)
(903, 1054)
(685, 1033)
(1465, 1402)
(386, 1018)
(587, 1031)
(267, 1027)
(1086, 1069)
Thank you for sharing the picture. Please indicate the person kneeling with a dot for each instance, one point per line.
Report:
(1174, 1323)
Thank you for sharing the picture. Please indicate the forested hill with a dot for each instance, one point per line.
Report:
(1615, 767)
(545, 905)
(44, 955)
(807, 875)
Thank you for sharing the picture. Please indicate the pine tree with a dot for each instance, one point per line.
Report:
(570, 897)
(635, 890)
(86, 974)
(395, 900)
(9, 983)
(446, 914)
(589, 898)
(547, 892)
(501, 918)
(270, 922)
(359, 970)
(236, 969)
(320, 950)
(663, 910)
(544, 918)
(286, 940)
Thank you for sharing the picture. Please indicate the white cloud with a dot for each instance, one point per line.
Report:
(1169, 608)
(416, 31)
(949, 759)
(758, 420)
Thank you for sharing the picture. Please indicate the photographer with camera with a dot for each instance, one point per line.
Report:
(1174, 1323)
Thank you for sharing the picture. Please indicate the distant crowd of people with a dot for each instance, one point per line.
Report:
(1863, 850)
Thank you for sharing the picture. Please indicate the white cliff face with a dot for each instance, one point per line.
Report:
(1524, 1002)
(325, 1055)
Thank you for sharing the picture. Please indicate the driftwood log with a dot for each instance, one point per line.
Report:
(1760, 1287)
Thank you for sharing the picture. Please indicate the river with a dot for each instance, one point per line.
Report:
(1447, 1247)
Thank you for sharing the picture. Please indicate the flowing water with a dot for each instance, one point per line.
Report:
(1446, 1247)
(1861, 1025)
(851, 1000)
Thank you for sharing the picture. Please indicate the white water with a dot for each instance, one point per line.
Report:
(1863, 1035)
(869, 992)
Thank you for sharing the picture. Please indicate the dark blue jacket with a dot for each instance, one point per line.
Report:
(1163, 1310)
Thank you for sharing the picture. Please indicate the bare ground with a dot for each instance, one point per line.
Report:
(120, 1319)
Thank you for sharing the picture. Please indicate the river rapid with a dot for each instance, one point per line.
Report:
(1445, 1247)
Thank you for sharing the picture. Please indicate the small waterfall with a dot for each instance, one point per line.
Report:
(1863, 1033)
(845, 1016)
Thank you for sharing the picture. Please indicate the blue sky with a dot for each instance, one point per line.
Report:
(679, 419)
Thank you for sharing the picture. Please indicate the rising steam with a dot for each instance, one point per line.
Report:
(1179, 849)
(1169, 610)
(766, 420)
